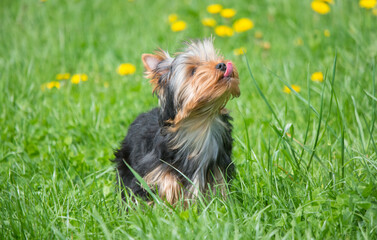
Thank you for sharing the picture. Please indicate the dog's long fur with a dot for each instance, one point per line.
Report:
(189, 132)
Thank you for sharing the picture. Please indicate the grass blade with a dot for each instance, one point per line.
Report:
(155, 197)
(261, 93)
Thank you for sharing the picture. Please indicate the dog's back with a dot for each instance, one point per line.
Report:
(137, 143)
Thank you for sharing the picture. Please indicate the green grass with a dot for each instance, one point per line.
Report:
(306, 162)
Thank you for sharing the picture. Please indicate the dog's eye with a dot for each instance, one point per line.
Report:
(193, 71)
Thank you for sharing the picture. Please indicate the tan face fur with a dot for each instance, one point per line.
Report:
(199, 88)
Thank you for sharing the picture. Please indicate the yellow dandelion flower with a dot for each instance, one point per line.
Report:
(214, 8)
(294, 87)
(84, 77)
(126, 69)
(62, 76)
(173, 18)
(258, 35)
(317, 77)
(224, 31)
(76, 78)
(242, 25)
(178, 26)
(51, 85)
(326, 33)
(209, 22)
(266, 45)
(320, 7)
(239, 51)
(228, 12)
(57, 85)
(286, 89)
(368, 4)
(299, 42)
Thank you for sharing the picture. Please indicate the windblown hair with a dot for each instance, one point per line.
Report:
(189, 135)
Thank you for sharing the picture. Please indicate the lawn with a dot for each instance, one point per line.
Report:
(306, 159)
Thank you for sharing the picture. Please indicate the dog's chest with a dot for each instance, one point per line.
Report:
(201, 145)
(211, 144)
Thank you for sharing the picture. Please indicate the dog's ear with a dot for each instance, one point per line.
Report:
(157, 70)
(151, 61)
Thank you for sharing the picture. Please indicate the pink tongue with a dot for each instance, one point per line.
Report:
(229, 69)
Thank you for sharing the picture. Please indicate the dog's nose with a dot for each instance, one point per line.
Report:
(221, 66)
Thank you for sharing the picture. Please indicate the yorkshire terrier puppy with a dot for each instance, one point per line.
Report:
(183, 147)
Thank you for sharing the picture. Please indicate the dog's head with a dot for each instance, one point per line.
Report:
(197, 82)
